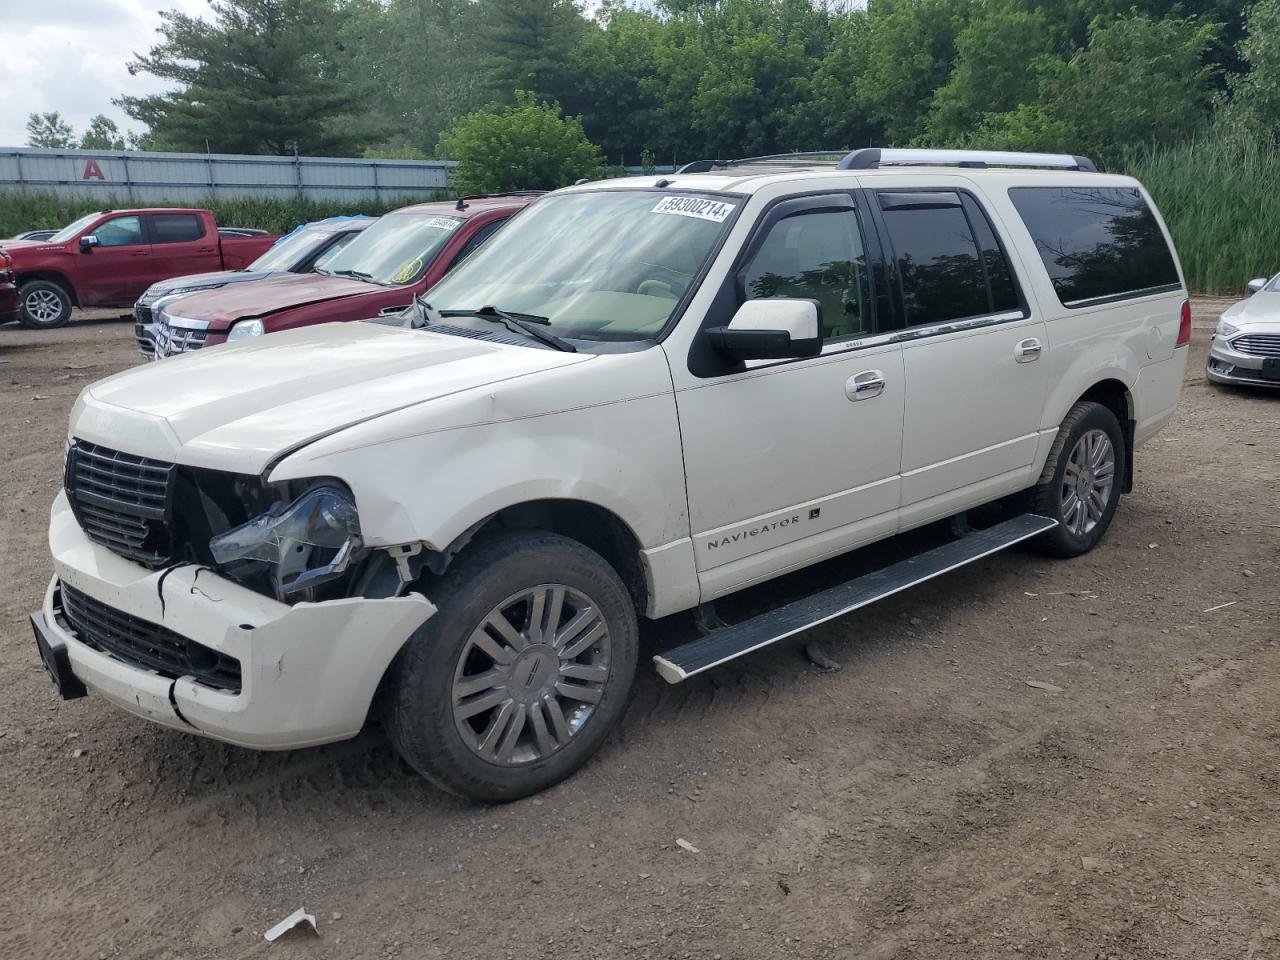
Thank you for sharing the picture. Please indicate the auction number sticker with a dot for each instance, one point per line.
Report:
(444, 223)
(697, 207)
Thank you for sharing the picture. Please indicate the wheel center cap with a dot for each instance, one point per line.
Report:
(534, 672)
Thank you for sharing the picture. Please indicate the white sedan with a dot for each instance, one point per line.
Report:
(1246, 345)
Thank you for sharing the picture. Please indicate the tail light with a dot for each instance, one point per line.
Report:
(6, 266)
(1184, 326)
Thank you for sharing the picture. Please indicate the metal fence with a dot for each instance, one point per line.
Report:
(143, 177)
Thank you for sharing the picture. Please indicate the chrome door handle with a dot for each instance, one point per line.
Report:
(864, 385)
(391, 311)
(1027, 350)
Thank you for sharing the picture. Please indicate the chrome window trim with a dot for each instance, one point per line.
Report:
(920, 333)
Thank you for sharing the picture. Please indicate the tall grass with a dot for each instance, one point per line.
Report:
(1220, 196)
(33, 209)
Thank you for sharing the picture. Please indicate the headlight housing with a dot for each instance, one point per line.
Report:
(245, 329)
(1226, 328)
(302, 544)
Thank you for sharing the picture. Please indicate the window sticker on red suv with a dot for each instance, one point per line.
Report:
(697, 207)
(444, 223)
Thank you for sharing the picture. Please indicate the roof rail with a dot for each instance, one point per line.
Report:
(872, 157)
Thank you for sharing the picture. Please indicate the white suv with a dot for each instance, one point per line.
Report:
(642, 395)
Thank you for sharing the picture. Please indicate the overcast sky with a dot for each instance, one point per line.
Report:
(70, 56)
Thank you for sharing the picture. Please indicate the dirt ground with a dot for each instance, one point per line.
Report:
(925, 802)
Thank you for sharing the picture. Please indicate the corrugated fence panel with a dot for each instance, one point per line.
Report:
(141, 177)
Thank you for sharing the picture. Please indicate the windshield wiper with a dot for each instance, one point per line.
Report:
(358, 274)
(526, 323)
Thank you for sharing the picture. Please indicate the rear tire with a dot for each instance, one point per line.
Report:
(45, 305)
(519, 676)
(1080, 486)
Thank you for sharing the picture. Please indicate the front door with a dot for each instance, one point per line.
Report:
(972, 346)
(790, 461)
(118, 269)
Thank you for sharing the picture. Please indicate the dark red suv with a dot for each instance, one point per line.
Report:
(405, 253)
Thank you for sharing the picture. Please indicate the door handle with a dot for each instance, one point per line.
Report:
(1027, 350)
(864, 385)
(205, 250)
(140, 253)
(392, 311)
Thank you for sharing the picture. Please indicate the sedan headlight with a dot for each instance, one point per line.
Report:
(244, 329)
(302, 544)
(1226, 329)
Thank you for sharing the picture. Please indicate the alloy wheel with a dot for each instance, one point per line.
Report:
(1088, 482)
(531, 674)
(43, 306)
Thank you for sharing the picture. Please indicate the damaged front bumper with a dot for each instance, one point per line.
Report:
(306, 674)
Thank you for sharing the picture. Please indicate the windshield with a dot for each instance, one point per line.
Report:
(602, 265)
(71, 229)
(1274, 285)
(395, 250)
(289, 251)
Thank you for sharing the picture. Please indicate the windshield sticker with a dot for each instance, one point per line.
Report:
(408, 271)
(444, 223)
(697, 207)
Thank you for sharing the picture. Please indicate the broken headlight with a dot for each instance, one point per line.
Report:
(301, 544)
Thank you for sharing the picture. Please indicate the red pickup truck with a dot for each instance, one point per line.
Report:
(107, 259)
(405, 253)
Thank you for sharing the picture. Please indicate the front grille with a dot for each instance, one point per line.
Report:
(121, 501)
(143, 329)
(1258, 344)
(171, 340)
(141, 643)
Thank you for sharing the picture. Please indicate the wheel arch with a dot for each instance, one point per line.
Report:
(587, 523)
(50, 276)
(1116, 397)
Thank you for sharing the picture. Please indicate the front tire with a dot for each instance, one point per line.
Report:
(519, 676)
(45, 305)
(1080, 487)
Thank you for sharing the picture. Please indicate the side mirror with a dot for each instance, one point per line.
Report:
(1258, 284)
(88, 242)
(770, 330)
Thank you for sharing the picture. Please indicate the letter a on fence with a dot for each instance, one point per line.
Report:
(92, 171)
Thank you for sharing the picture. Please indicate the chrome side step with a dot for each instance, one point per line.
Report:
(730, 642)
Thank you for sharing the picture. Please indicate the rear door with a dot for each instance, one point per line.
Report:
(182, 243)
(118, 269)
(972, 353)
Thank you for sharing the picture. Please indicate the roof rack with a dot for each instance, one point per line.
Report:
(872, 158)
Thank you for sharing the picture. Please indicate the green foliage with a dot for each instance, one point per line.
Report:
(103, 134)
(22, 210)
(1257, 93)
(525, 147)
(1218, 195)
(260, 78)
(49, 130)
(528, 42)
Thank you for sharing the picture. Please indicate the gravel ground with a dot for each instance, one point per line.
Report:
(924, 802)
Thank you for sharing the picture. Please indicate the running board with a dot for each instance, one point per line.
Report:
(728, 643)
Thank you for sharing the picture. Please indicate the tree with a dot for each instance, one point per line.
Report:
(528, 43)
(1257, 93)
(49, 130)
(102, 134)
(260, 78)
(527, 146)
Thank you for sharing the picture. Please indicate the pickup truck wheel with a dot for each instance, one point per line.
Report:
(1080, 487)
(45, 305)
(517, 679)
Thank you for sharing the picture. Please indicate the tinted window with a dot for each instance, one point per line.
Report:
(939, 263)
(176, 227)
(1004, 292)
(119, 232)
(1096, 242)
(816, 256)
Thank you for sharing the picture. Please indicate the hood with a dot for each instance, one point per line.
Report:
(19, 246)
(224, 306)
(202, 281)
(1261, 311)
(241, 406)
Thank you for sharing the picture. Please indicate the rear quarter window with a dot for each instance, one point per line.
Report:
(1097, 243)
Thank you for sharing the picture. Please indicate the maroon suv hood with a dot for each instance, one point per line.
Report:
(223, 306)
(13, 246)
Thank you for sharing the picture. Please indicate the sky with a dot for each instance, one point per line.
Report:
(70, 56)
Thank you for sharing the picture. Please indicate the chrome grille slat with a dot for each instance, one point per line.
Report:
(1258, 344)
(141, 643)
(121, 501)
